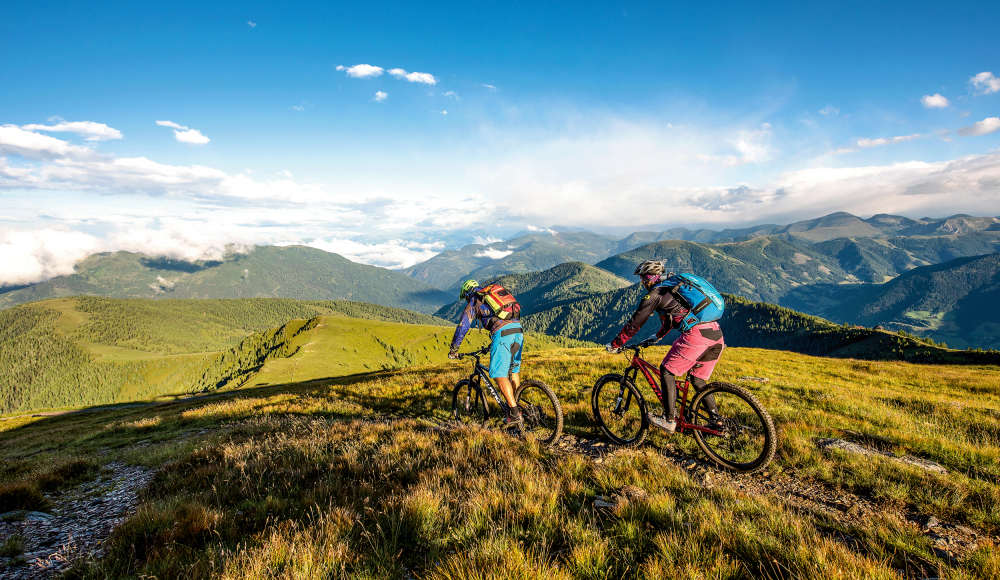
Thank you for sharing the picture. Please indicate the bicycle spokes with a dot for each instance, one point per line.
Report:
(739, 435)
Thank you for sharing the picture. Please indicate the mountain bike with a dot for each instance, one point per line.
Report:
(740, 437)
(540, 409)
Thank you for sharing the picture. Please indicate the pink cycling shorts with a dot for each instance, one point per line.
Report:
(702, 345)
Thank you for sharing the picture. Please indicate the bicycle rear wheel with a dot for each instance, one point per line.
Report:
(746, 439)
(541, 411)
(620, 410)
(467, 404)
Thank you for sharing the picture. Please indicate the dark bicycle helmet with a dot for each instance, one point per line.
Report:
(650, 268)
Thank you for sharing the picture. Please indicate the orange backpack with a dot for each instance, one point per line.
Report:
(501, 302)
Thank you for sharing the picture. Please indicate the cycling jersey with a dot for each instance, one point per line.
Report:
(476, 309)
(661, 301)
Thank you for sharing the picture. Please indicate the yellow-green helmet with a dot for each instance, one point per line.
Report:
(467, 287)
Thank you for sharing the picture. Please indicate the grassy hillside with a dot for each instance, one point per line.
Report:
(540, 290)
(266, 271)
(955, 302)
(86, 350)
(764, 269)
(363, 477)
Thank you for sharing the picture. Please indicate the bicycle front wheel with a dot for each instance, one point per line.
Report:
(620, 410)
(467, 404)
(745, 439)
(541, 411)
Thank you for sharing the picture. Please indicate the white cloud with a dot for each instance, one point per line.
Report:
(414, 77)
(393, 254)
(92, 131)
(298, 107)
(493, 254)
(829, 110)
(869, 143)
(176, 241)
(984, 127)
(985, 83)
(29, 256)
(490, 88)
(453, 95)
(753, 145)
(481, 241)
(192, 136)
(362, 71)
(286, 173)
(16, 141)
(531, 228)
(252, 24)
(381, 96)
(59, 165)
(185, 134)
(934, 101)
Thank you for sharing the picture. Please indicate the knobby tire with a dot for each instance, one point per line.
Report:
(749, 439)
(541, 413)
(619, 410)
(468, 405)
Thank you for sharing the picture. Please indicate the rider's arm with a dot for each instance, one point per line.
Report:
(464, 324)
(640, 317)
(666, 323)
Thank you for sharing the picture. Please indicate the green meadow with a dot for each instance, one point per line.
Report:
(317, 469)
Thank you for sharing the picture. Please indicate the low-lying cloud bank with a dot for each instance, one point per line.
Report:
(616, 174)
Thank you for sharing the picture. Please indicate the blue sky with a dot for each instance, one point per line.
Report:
(614, 116)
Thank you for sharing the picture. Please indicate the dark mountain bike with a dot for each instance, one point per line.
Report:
(740, 437)
(543, 417)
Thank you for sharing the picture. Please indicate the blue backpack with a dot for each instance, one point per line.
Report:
(703, 301)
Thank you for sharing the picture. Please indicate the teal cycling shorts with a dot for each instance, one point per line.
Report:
(505, 352)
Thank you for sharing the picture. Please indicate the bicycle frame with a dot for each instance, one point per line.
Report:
(480, 374)
(649, 371)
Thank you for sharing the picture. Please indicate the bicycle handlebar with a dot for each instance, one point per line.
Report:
(479, 352)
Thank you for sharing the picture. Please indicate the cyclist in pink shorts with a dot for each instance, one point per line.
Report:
(695, 351)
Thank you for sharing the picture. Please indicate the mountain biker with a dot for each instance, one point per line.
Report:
(695, 351)
(505, 351)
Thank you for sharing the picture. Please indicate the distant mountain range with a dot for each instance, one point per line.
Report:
(871, 249)
(533, 252)
(598, 316)
(957, 302)
(296, 272)
(824, 267)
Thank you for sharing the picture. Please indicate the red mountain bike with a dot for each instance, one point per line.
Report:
(740, 437)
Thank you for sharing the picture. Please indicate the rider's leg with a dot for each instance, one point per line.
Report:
(702, 371)
(507, 390)
(505, 363)
(670, 390)
(699, 383)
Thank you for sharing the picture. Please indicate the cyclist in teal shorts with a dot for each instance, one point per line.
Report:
(505, 352)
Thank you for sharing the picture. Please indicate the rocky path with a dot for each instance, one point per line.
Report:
(82, 519)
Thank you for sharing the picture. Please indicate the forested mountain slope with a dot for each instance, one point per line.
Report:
(537, 291)
(877, 260)
(957, 302)
(747, 323)
(599, 316)
(763, 269)
(87, 350)
(296, 272)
